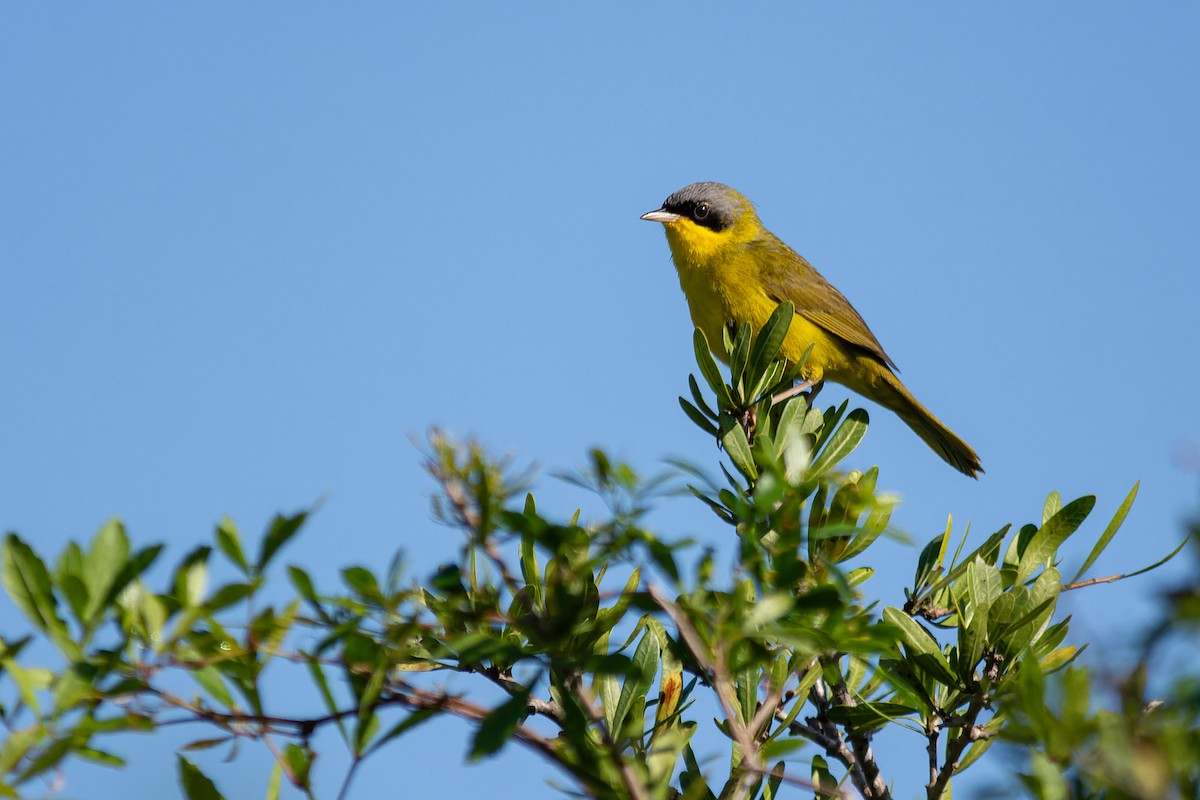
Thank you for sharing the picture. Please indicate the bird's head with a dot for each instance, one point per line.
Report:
(702, 218)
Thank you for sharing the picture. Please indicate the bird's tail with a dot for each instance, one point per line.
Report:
(891, 393)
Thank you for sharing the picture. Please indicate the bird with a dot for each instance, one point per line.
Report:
(734, 271)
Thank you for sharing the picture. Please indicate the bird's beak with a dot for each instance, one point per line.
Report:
(661, 216)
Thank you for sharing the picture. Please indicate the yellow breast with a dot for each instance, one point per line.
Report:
(722, 288)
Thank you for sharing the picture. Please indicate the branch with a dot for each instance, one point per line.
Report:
(968, 732)
(820, 730)
(834, 746)
(860, 742)
(545, 708)
(1093, 582)
(931, 733)
(404, 695)
(469, 518)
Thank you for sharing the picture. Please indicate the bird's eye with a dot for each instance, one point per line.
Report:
(701, 211)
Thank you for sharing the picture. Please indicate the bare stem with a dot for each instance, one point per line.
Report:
(967, 733)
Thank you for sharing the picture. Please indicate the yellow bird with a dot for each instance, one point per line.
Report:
(733, 270)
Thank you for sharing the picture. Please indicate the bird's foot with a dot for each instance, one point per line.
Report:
(748, 419)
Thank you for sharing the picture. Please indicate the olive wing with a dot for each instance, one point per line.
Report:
(787, 275)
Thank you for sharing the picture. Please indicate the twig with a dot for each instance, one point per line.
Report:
(834, 747)
(931, 733)
(407, 696)
(349, 777)
(1092, 582)
(860, 743)
(469, 518)
(545, 708)
(968, 732)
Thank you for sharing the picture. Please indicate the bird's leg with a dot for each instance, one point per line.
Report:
(816, 389)
(800, 388)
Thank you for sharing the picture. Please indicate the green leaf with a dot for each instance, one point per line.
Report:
(607, 618)
(227, 595)
(737, 359)
(930, 560)
(205, 744)
(771, 338)
(281, 530)
(829, 422)
(191, 577)
(318, 673)
(28, 584)
(974, 751)
(1059, 658)
(196, 786)
(842, 442)
(1109, 532)
(362, 581)
(874, 527)
(103, 564)
(1015, 548)
(16, 744)
(982, 584)
(710, 371)
(1034, 610)
(368, 726)
(733, 439)
(793, 442)
(275, 627)
(1052, 506)
(499, 725)
(136, 566)
(768, 610)
(701, 421)
(49, 758)
(987, 551)
(145, 614)
(530, 570)
(666, 746)
(639, 680)
(983, 587)
(404, 726)
(691, 779)
(68, 577)
(866, 716)
(1045, 543)
(822, 779)
(921, 643)
(298, 764)
(698, 396)
(101, 757)
(304, 585)
(1161, 561)
(229, 541)
(29, 681)
(775, 780)
(273, 782)
(210, 678)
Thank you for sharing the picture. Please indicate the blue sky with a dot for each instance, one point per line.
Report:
(248, 252)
